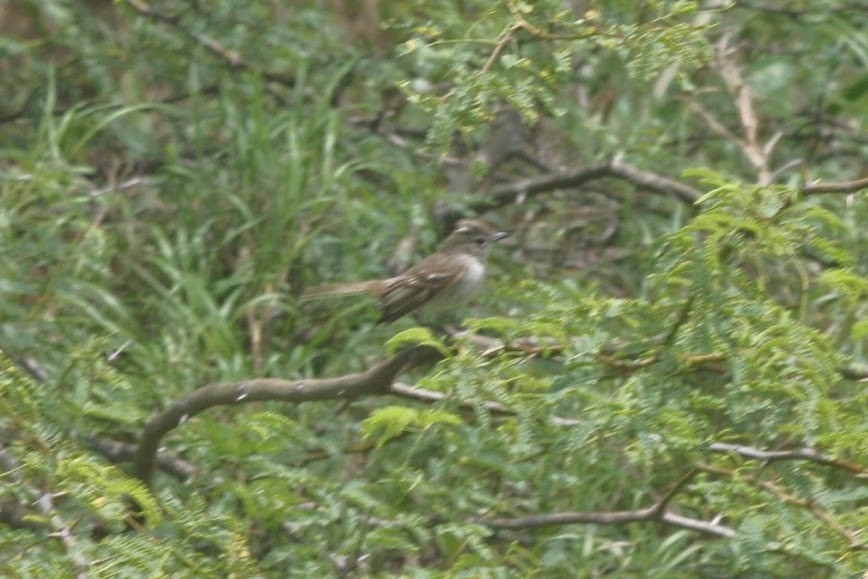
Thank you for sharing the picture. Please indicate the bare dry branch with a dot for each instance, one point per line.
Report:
(753, 150)
(522, 189)
(843, 187)
(775, 455)
(657, 183)
(431, 396)
(608, 518)
(117, 451)
(377, 379)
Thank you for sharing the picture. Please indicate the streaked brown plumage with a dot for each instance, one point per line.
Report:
(451, 275)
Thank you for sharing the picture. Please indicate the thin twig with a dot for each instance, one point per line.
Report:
(501, 44)
(431, 396)
(660, 507)
(784, 496)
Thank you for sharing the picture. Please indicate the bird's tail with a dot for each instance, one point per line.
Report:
(372, 287)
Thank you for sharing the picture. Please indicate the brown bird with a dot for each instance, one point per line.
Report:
(448, 277)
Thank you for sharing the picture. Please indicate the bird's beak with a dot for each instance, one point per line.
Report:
(500, 235)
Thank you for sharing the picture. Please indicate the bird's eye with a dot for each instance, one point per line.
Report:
(481, 239)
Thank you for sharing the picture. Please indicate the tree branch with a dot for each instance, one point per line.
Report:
(844, 187)
(505, 37)
(732, 75)
(431, 396)
(610, 518)
(853, 373)
(64, 534)
(656, 512)
(117, 451)
(231, 58)
(660, 507)
(783, 495)
(520, 190)
(657, 183)
(775, 455)
(375, 380)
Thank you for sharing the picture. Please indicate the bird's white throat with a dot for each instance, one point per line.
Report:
(466, 287)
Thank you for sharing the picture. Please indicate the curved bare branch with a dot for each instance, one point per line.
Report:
(376, 379)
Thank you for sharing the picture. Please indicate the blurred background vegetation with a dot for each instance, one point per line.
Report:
(675, 330)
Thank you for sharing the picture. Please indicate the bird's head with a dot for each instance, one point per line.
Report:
(472, 236)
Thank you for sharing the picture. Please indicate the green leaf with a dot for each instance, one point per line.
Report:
(852, 285)
(417, 336)
(392, 421)
(859, 330)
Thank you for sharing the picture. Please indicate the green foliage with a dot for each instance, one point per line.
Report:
(175, 174)
(521, 53)
(418, 337)
(392, 421)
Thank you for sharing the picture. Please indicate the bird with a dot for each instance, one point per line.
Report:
(450, 276)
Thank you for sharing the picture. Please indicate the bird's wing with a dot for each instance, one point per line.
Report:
(416, 287)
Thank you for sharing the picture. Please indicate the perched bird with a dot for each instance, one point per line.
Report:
(444, 279)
